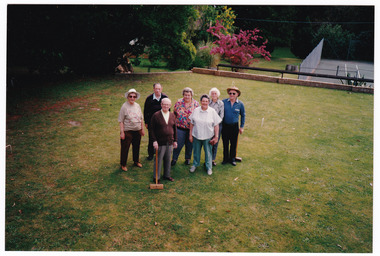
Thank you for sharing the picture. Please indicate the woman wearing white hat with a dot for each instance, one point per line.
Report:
(131, 129)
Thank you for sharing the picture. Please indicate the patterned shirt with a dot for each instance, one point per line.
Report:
(183, 113)
(218, 106)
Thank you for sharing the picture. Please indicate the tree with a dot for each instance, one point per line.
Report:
(207, 15)
(88, 39)
(164, 33)
(239, 49)
(273, 22)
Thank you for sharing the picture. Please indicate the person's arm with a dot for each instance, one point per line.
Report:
(191, 133)
(142, 131)
(216, 134)
(153, 123)
(153, 133)
(242, 118)
(175, 144)
(146, 112)
(221, 114)
(122, 134)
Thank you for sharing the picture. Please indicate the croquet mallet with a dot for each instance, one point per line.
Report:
(156, 186)
(237, 158)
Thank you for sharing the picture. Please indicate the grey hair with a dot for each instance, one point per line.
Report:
(214, 90)
(188, 89)
(166, 99)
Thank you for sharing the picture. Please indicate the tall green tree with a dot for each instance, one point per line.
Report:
(89, 38)
(164, 32)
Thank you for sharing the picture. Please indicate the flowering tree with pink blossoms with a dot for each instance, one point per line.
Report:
(240, 49)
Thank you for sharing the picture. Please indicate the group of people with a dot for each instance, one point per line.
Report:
(192, 125)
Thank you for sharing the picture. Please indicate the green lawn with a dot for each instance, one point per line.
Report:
(305, 183)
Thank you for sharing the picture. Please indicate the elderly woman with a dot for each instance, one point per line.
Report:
(218, 105)
(131, 128)
(182, 110)
(204, 131)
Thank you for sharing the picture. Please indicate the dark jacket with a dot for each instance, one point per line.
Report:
(152, 106)
(160, 131)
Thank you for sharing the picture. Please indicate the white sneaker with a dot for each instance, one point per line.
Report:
(209, 171)
(192, 169)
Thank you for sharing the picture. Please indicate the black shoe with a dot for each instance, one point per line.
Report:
(233, 163)
(149, 158)
(224, 162)
(158, 182)
(173, 162)
(213, 163)
(187, 161)
(169, 178)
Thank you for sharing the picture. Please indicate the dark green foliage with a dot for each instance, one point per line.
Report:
(362, 47)
(301, 44)
(337, 41)
(88, 39)
(164, 28)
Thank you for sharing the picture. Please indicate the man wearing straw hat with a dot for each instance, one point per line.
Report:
(233, 108)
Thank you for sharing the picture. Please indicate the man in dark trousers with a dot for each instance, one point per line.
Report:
(164, 134)
(151, 106)
(233, 109)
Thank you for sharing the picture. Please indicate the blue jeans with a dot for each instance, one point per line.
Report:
(183, 140)
(197, 145)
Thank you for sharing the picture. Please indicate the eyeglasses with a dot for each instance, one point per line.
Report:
(232, 93)
(130, 96)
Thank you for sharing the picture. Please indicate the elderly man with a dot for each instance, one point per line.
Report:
(151, 106)
(163, 131)
(233, 108)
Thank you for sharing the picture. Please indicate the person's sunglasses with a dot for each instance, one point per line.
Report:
(130, 96)
(232, 93)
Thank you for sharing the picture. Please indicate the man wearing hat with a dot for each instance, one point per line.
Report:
(131, 128)
(233, 108)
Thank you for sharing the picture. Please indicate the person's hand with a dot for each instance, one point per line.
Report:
(146, 126)
(122, 135)
(142, 132)
(175, 144)
(191, 138)
(241, 130)
(214, 141)
(155, 145)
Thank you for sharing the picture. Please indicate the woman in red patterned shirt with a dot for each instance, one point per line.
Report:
(183, 108)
